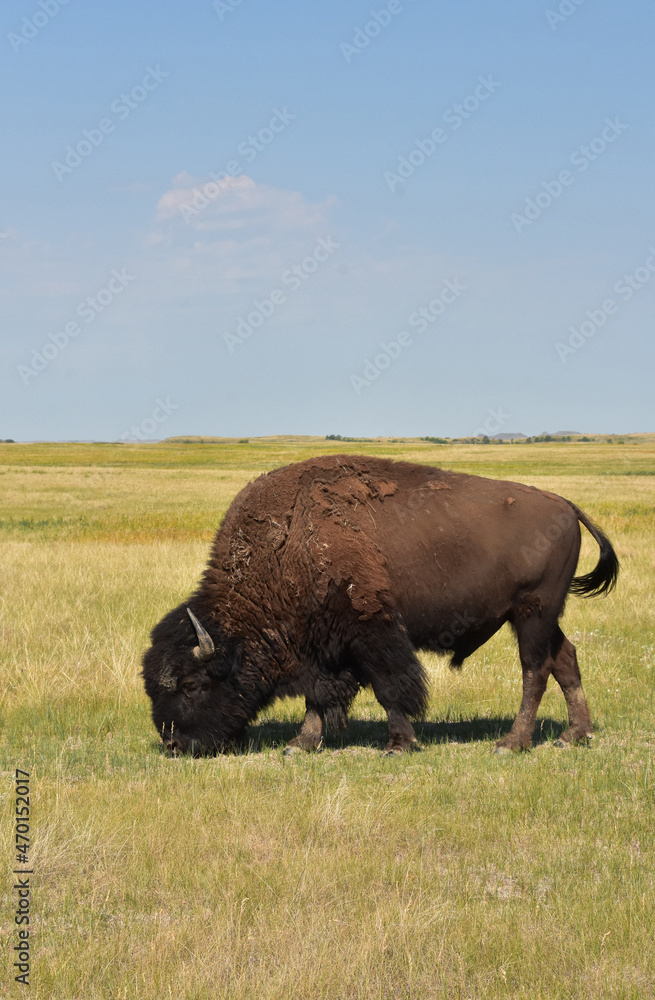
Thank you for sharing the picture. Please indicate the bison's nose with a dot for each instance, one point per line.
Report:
(174, 746)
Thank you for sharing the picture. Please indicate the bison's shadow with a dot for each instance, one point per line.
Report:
(374, 734)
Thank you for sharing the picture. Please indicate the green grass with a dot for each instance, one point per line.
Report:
(450, 873)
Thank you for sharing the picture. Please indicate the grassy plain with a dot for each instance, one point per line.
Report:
(446, 874)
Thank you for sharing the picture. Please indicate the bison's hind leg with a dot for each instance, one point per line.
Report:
(544, 649)
(566, 672)
(535, 630)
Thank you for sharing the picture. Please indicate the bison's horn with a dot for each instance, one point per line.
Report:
(205, 648)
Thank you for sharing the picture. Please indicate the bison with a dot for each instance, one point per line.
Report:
(329, 574)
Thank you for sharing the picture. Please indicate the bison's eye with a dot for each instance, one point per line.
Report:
(195, 686)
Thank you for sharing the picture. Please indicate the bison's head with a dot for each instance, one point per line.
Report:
(191, 678)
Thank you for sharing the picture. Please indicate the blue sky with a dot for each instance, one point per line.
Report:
(421, 219)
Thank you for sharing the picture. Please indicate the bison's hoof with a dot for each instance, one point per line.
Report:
(395, 749)
(502, 748)
(574, 741)
(294, 748)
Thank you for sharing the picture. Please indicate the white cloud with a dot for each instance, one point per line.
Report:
(237, 203)
(233, 236)
(235, 248)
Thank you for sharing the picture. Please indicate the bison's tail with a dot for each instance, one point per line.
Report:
(603, 577)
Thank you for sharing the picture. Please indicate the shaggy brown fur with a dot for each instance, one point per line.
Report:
(329, 574)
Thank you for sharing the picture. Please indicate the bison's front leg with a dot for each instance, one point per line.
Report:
(310, 734)
(401, 734)
(398, 680)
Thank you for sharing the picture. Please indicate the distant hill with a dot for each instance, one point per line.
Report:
(517, 435)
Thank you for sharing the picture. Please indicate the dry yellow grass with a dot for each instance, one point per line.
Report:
(449, 873)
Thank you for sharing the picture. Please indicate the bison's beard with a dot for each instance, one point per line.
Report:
(178, 743)
(204, 733)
